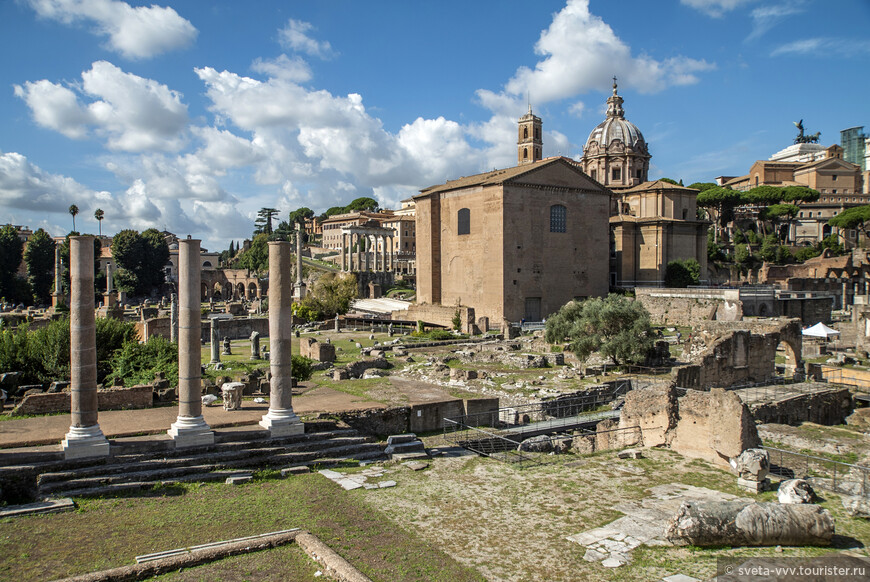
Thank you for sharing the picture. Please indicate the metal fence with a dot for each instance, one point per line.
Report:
(836, 476)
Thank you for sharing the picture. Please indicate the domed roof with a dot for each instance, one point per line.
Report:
(616, 127)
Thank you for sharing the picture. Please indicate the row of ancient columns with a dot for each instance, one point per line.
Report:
(381, 260)
(85, 439)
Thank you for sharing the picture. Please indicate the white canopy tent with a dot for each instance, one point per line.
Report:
(820, 330)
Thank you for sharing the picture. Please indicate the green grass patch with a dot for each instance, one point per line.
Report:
(107, 533)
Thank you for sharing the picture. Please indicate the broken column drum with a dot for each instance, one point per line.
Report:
(190, 429)
(280, 420)
(84, 439)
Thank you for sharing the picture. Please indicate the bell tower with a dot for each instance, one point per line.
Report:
(529, 142)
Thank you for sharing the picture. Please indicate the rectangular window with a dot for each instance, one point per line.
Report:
(558, 218)
(616, 174)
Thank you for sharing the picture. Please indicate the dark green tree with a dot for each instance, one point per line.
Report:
(616, 327)
(670, 181)
(360, 204)
(300, 215)
(264, 220)
(98, 214)
(73, 210)
(701, 186)
(153, 270)
(128, 251)
(39, 258)
(331, 294)
(11, 251)
(721, 201)
(855, 218)
(777, 214)
(256, 257)
(682, 273)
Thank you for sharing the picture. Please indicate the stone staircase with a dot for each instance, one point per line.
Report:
(141, 464)
(405, 447)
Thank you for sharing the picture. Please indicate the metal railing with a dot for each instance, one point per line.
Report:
(836, 476)
(488, 443)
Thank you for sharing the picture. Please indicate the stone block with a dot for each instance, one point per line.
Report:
(429, 416)
(239, 479)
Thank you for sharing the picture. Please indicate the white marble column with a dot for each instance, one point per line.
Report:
(299, 288)
(342, 251)
(84, 439)
(189, 429)
(280, 420)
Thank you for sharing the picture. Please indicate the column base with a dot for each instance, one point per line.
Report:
(281, 423)
(190, 431)
(84, 442)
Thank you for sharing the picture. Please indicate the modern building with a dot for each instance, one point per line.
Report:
(854, 144)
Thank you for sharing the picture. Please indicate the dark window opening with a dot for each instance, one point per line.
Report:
(525, 133)
(558, 218)
(616, 174)
(463, 221)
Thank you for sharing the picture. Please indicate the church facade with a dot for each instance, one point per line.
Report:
(652, 223)
(513, 244)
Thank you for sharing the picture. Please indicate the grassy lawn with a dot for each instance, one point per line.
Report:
(106, 533)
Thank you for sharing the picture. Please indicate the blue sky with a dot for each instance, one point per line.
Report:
(190, 115)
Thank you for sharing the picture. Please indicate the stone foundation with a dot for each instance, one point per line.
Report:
(108, 399)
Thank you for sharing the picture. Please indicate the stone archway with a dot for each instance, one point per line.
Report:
(240, 291)
(203, 292)
(217, 293)
(252, 291)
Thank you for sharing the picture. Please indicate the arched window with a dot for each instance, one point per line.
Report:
(558, 218)
(463, 225)
(525, 153)
(206, 263)
(525, 133)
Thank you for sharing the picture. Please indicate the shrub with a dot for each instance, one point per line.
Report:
(301, 368)
(137, 363)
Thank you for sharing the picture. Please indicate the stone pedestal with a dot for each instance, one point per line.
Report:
(280, 420)
(190, 429)
(84, 442)
(753, 486)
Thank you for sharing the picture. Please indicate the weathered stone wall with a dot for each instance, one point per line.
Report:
(315, 350)
(714, 426)
(688, 306)
(482, 411)
(438, 315)
(827, 408)
(733, 353)
(836, 375)
(378, 421)
(107, 399)
(654, 410)
(810, 310)
(236, 328)
(365, 278)
(416, 418)
(430, 416)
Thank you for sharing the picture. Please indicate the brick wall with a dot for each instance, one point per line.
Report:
(108, 399)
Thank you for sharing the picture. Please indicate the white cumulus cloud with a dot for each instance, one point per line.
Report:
(25, 186)
(295, 36)
(580, 52)
(132, 113)
(138, 32)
